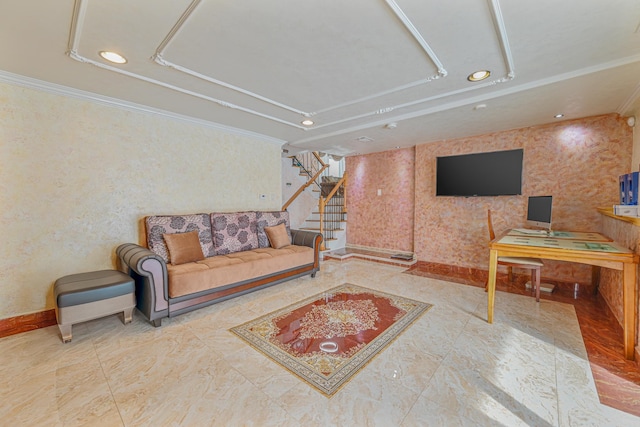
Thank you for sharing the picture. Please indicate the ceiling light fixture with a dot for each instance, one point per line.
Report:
(113, 57)
(479, 75)
(558, 116)
(307, 122)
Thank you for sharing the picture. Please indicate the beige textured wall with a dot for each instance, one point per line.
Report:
(381, 221)
(76, 177)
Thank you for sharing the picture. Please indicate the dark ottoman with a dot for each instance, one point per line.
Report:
(87, 296)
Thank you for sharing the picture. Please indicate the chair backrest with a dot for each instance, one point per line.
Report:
(492, 234)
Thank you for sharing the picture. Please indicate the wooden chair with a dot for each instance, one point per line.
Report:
(533, 264)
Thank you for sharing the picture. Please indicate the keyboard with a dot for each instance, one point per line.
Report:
(531, 232)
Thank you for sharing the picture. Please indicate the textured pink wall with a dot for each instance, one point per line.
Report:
(384, 221)
(577, 161)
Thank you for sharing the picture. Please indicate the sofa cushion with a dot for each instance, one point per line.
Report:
(234, 232)
(269, 219)
(224, 270)
(183, 247)
(277, 235)
(170, 224)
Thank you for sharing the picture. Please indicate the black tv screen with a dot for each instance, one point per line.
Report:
(497, 173)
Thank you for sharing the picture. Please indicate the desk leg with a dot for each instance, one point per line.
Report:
(491, 291)
(595, 278)
(629, 307)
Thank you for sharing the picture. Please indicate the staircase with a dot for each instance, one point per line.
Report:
(329, 216)
(335, 223)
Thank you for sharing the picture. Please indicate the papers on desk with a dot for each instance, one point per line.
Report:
(569, 244)
(572, 235)
(527, 231)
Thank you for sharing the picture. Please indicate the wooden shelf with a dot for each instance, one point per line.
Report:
(609, 212)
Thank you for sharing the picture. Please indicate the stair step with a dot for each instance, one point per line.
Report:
(318, 229)
(327, 220)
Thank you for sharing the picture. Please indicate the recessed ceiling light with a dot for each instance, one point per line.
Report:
(307, 122)
(113, 57)
(559, 116)
(479, 75)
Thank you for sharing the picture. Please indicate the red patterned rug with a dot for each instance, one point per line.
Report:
(328, 338)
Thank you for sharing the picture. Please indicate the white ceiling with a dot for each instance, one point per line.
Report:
(261, 67)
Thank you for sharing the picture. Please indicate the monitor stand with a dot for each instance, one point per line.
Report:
(544, 287)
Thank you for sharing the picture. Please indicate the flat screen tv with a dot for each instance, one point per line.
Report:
(497, 173)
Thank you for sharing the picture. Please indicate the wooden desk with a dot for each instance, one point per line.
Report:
(599, 251)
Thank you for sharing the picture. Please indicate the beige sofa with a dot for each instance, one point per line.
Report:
(192, 261)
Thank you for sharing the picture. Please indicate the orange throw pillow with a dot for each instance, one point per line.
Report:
(278, 236)
(183, 247)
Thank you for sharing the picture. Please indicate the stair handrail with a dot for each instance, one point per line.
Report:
(341, 183)
(311, 180)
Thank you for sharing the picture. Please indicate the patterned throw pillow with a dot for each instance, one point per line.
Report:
(269, 219)
(234, 232)
(170, 224)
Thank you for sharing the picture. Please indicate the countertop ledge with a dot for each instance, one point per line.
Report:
(609, 212)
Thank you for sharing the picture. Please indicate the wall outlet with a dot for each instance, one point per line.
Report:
(379, 192)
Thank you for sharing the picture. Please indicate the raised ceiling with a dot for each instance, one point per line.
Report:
(372, 75)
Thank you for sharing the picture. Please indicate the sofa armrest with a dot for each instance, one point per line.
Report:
(150, 274)
(306, 238)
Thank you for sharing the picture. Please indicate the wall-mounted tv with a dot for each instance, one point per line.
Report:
(497, 173)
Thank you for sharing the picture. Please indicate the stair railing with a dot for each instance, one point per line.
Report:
(336, 212)
(319, 166)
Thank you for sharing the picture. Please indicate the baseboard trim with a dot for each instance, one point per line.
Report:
(27, 322)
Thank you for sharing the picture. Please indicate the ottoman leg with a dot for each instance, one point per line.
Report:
(65, 331)
(128, 314)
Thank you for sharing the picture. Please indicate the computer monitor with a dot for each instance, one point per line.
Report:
(539, 211)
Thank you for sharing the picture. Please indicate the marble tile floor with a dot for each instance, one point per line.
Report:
(617, 379)
(450, 368)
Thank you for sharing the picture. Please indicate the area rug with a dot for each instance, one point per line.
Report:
(326, 339)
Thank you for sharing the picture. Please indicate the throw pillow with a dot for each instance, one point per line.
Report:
(234, 232)
(184, 247)
(278, 236)
(158, 226)
(269, 219)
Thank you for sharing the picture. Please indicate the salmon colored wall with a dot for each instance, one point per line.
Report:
(384, 221)
(576, 161)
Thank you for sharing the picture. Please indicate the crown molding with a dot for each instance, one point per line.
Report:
(56, 89)
(497, 20)
(481, 98)
(626, 106)
(160, 59)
